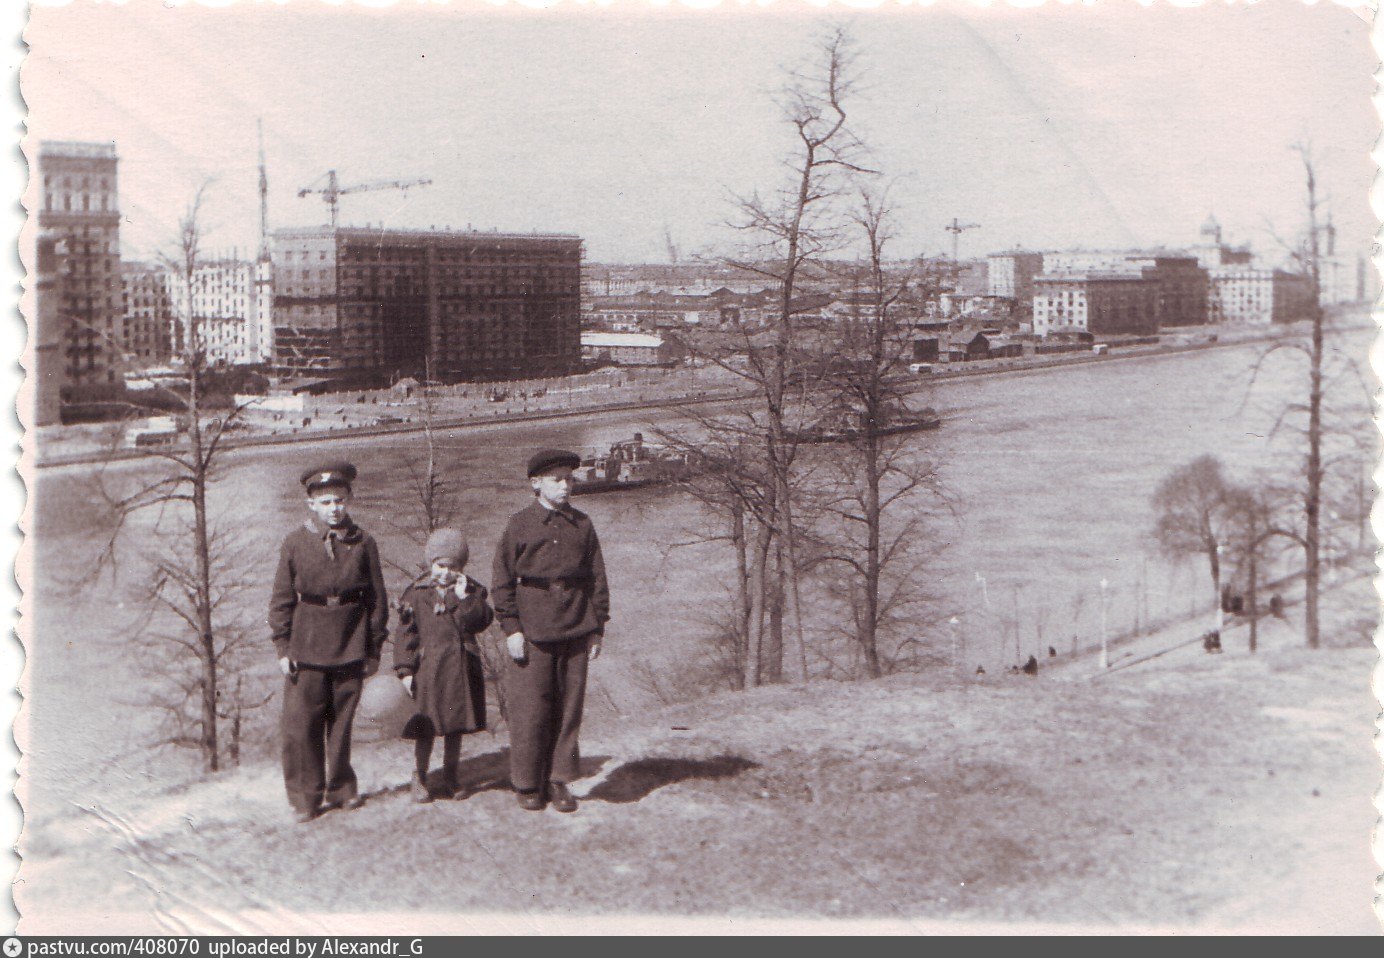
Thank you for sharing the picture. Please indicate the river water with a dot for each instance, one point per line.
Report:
(1054, 471)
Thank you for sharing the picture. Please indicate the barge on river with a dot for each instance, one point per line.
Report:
(629, 464)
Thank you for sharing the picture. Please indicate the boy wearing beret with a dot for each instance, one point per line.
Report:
(327, 617)
(553, 603)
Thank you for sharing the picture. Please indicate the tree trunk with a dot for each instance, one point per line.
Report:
(1253, 582)
(869, 627)
(1314, 415)
(201, 546)
(743, 606)
(771, 666)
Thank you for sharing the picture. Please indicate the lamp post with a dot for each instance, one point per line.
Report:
(1104, 638)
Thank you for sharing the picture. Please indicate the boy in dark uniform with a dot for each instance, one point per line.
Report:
(552, 600)
(327, 616)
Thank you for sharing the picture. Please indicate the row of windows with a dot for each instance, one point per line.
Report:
(68, 203)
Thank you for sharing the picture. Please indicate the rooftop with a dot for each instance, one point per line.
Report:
(646, 340)
(378, 233)
(77, 148)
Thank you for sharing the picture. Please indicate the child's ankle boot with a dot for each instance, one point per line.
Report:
(418, 790)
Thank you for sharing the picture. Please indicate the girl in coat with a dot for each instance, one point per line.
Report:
(437, 657)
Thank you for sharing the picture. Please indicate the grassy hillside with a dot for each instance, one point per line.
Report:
(1203, 792)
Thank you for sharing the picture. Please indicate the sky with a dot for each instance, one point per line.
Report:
(1060, 127)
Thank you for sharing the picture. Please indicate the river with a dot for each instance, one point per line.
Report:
(1053, 469)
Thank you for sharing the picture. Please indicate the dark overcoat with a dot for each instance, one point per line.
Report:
(436, 644)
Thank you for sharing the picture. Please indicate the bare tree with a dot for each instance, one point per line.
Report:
(886, 494)
(1333, 418)
(786, 235)
(1196, 510)
(191, 572)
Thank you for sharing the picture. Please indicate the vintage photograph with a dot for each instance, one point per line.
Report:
(644, 469)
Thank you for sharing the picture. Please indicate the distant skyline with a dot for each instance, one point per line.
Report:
(1052, 128)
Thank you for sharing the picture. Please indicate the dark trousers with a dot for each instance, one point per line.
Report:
(319, 705)
(544, 697)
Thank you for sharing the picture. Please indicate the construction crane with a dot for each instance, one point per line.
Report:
(956, 228)
(332, 192)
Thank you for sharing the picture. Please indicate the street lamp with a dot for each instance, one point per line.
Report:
(1104, 639)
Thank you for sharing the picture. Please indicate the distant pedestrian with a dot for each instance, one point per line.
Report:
(1031, 666)
(1052, 653)
(980, 670)
(1276, 606)
(328, 619)
(553, 603)
(437, 657)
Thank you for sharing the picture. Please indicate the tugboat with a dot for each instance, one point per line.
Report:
(629, 464)
(850, 426)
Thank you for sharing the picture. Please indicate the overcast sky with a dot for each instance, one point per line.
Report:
(1051, 128)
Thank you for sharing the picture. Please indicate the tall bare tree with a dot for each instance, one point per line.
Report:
(886, 492)
(1332, 414)
(188, 583)
(786, 235)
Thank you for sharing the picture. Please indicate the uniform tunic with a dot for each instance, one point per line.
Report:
(437, 646)
(549, 576)
(550, 583)
(321, 564)
(328, 614)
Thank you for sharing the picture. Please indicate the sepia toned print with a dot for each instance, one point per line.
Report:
(973, 404)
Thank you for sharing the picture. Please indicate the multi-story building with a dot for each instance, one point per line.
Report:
(225, 305)
(1180, 280)
(369, 304)
(1011, 276)
(1182, 285)
(146, 336)
(1246, 294)
(49, 370)
(1101, 303)
(79, 205)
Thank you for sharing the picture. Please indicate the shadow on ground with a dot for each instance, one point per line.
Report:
(490, 772)
(635, 780)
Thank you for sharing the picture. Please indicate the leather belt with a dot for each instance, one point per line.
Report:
(350, 597)
(539, 582)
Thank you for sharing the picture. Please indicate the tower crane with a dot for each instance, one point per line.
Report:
(332, 192)
(956, 228)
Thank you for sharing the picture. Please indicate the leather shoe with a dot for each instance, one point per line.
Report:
(563, 800)
(530, 801)
(304, 815)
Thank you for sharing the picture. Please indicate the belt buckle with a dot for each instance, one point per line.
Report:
(333, 601)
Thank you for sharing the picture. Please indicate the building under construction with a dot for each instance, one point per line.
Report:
(365, 305)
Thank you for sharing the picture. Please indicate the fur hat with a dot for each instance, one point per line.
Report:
(447, 544)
